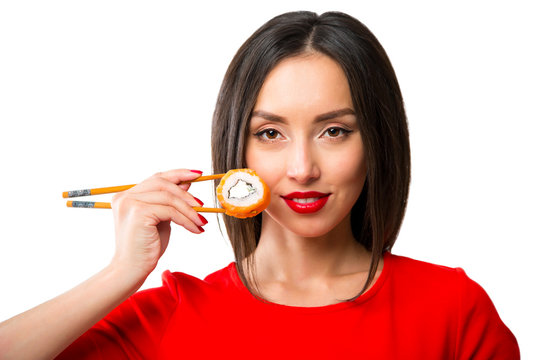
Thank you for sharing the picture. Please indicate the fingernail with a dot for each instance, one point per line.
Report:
(197, 171)
(199, 201)
(203, 219)
(200, 228)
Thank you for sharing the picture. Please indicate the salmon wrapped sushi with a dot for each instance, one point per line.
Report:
(242, 193)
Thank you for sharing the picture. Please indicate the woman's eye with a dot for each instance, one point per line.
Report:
(268, 134)
(336, 132)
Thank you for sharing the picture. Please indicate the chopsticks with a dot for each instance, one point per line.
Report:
(114, 189)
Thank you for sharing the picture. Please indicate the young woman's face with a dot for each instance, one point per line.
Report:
(304, 142)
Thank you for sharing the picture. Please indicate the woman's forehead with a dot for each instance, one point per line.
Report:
(314, 83)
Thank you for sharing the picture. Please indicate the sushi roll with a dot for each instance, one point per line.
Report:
(242, 193)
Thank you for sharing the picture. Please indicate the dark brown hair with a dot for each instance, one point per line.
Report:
(378, 213)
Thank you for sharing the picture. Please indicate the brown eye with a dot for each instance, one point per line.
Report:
(271, 134)
(336, 132)
(268, 134)
(333, 132)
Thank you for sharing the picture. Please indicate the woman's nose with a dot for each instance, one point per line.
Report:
(302, 163)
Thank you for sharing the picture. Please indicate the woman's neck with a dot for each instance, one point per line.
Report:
(284, 257)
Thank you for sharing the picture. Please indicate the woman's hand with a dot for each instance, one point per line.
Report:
(142, 219)
(143, 216)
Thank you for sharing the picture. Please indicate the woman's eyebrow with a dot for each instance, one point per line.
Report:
(268, 116)
(322, 117)
(334, 114)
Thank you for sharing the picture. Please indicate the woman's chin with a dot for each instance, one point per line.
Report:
(302, 225)
(309, 230)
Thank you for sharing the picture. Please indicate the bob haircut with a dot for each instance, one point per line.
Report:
(378, 213)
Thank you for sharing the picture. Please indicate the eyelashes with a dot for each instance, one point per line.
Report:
(271, 134)
(335, 133)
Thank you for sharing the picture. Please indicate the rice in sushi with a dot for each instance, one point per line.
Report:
(242, 193)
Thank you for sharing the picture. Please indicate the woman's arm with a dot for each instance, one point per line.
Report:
(482, 334)
(44, 331)
(142, 225)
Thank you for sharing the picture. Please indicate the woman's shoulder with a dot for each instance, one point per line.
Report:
(443, 292)
(222, 276)
(426, 274)
(181, 283)
(405, 263)
(429, 282)
(435, 278)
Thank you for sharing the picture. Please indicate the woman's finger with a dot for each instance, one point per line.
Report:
(143, 213)
(157, 183)
(166, 198)
(176, 176)
(168, 213)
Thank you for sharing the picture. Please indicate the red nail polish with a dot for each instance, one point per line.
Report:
(203, 219)
(197, 171)
(199, 201)
(200, 228)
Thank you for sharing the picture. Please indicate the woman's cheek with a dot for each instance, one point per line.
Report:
(268, 165)
(349, 163)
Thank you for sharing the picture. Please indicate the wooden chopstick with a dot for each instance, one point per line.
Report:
(96, 191)
(89, 204)
(114, 189)
(106, 205)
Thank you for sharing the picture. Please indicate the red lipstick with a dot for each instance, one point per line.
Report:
(306, 202)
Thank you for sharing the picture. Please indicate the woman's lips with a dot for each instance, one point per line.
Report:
(306, 202)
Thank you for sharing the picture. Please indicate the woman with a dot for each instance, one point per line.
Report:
(313, 105)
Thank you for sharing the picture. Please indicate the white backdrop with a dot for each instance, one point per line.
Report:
(107, 93)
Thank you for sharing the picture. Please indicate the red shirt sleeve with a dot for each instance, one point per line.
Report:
(481, 332)
(132, 330)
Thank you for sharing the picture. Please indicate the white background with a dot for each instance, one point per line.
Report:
(107, 93)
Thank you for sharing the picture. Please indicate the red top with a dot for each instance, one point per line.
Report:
(415, 310)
